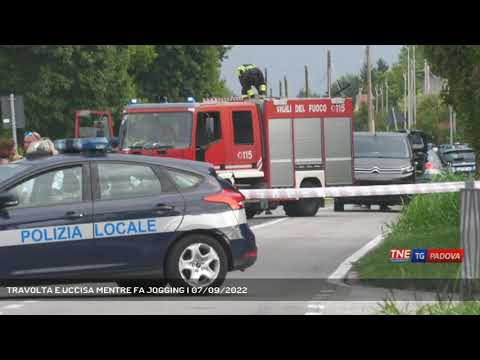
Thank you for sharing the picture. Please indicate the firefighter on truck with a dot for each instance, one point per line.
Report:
(253, 144)
(250, 76)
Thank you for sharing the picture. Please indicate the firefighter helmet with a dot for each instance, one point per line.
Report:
(241, 69)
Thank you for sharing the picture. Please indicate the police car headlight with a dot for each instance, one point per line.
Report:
(408, 169)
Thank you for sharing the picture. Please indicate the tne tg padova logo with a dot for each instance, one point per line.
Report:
(426, 255)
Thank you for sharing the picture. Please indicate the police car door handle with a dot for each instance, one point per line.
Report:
(73, 215)
(164, 207)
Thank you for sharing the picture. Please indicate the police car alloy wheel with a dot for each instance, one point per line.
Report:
(199, 265)
(197, 260)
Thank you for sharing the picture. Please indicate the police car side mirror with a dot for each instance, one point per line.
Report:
(8, 200)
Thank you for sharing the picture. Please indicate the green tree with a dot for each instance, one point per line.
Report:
(431, 112)
(58, 79)
(382, 66)
(460, 65)
(180, 71)
(378, 72)
(394, 76)
(312, 93)
(351, 83)
(361, 118)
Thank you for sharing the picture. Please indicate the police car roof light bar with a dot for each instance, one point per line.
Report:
(92, 146)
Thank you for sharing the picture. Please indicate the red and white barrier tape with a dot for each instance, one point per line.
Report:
(350, 191)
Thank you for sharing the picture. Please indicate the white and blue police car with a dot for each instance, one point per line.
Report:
(88, 214)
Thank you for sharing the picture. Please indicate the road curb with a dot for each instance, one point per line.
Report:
(342, 271)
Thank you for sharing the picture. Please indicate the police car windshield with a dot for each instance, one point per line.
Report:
(12, 169)
(158, 130)
(379, 146)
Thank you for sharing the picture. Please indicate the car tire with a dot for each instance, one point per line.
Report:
(250, 213)
(290, 208)
(303, 207)
(338, 205)
(195, 248)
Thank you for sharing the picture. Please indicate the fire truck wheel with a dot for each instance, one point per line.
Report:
(338, 205)
(290, 209)
(250, 213)
(303, 207)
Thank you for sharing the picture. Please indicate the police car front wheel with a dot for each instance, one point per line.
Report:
(197, 260)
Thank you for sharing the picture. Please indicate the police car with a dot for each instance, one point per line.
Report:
(92, 214)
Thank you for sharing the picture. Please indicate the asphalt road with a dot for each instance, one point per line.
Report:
(290, 251)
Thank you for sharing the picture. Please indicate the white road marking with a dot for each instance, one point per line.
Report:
(346, 265)
(13, 306)
(268, 223)
(314, 308)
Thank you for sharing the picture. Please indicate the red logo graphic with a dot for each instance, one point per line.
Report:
(445, 255)
(400, 255)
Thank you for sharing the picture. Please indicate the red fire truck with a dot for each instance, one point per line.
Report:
(271, 143)
(91, 123)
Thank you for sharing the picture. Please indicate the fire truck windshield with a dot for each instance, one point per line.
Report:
(168, 130)
(94, 126)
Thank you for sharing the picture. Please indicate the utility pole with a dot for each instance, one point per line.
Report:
(386, 95)
(394, 118)
(266, 77)
(405, 97)
(450, 113)
(329, 73)
(414, 74)
(381, 94)
(307, 94)
(371, 122)
(280, 88)
(425, 71)
(428, 79)
(454, 125)
(286, 86)
(271, 92)
(409, 87)
(13, 120)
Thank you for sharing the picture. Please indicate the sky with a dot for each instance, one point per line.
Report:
(290, 60)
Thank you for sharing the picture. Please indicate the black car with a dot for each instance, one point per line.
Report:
(382, 158)
(120, 218)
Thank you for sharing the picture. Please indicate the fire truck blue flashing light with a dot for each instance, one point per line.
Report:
(190, 99)
(134, 101)
(82, 145)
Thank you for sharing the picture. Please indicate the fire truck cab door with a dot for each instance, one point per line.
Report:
(245, 140)
(209, 140)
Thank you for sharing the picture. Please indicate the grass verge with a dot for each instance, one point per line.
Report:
(440, 308)
(428, 221)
